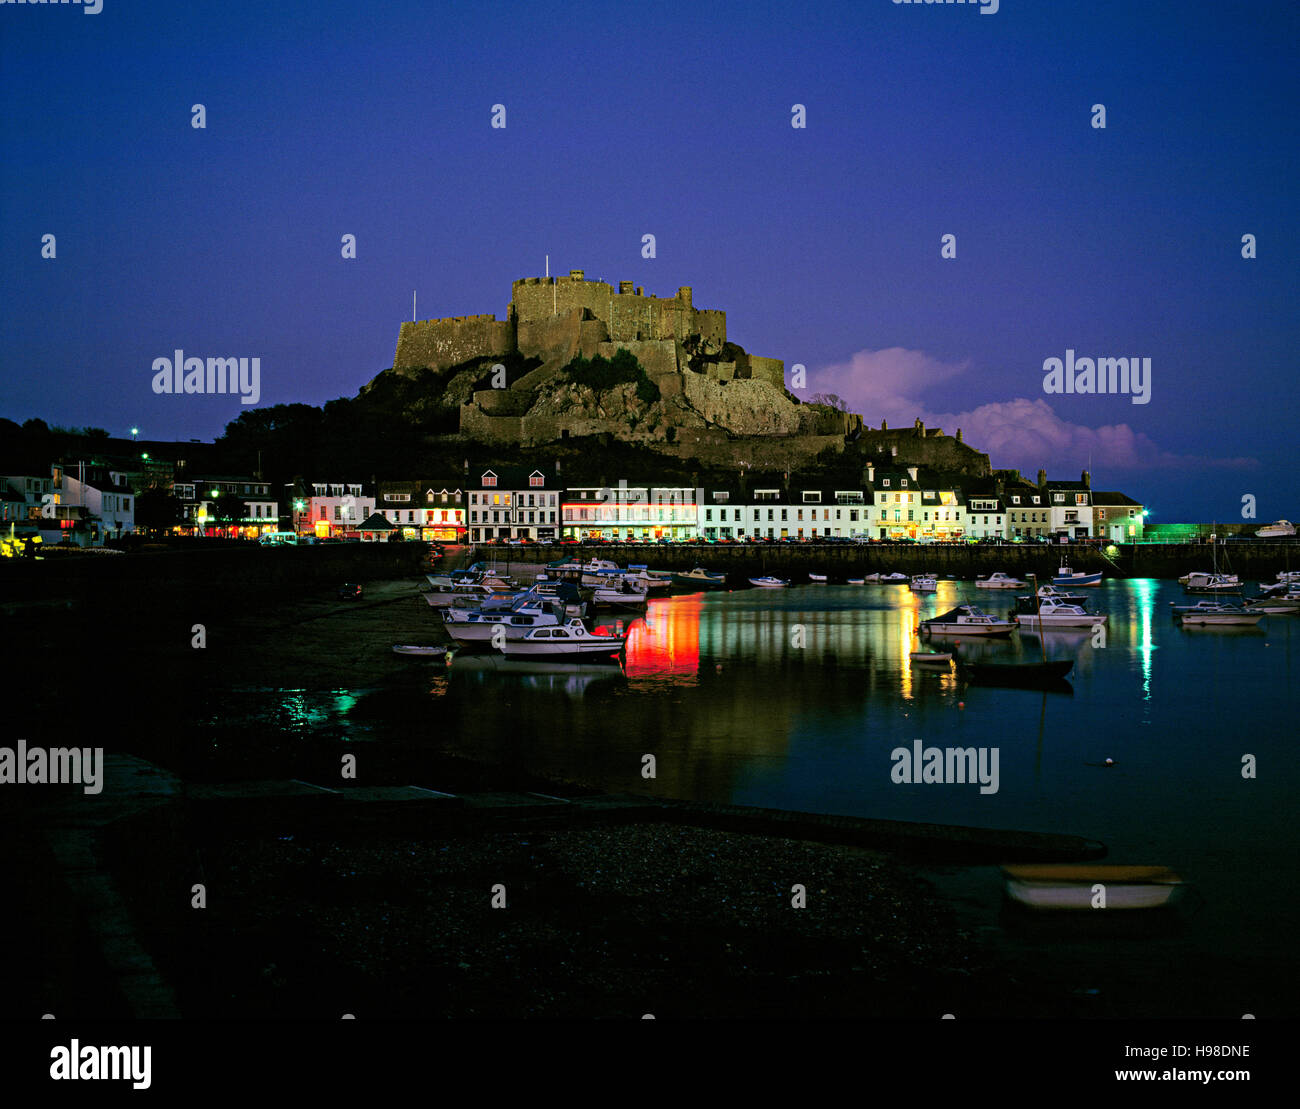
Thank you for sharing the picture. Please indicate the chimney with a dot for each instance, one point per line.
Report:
(911, 471)
(1086, 478)
(557, 467)
(871, 473)
(466, 467)
(1042, 478)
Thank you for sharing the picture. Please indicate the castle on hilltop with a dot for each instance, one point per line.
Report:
(560, 318)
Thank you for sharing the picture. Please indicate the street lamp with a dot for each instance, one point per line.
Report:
(134, 432)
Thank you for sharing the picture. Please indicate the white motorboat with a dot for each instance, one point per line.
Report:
(999, 580)
(923, 583)
(1072, 886)
(482, 627)
(652, 579)
(1201, 582)
(872, 578)
(1274, 606)
(893, 579)
(1055, 614)
(817, 579)
(700, 577)
(620, 591)
(1051, 593)
(1076, 578)
(469, 594)
(769, 582)
(1210, 612)
(967, 620)
(571, 640)
(1279, 529)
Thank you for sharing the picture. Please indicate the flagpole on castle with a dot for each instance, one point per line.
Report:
(413, 306)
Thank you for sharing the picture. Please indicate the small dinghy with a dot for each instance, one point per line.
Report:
(769, 583)
(931, 658)
(1056, 887)
(419, 652)
(817, 579)
(857, 581)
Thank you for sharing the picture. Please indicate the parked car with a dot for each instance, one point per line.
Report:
(349, 591)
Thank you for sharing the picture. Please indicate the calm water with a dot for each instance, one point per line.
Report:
(715, 687)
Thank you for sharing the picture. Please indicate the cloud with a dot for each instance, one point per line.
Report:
(1020, 433)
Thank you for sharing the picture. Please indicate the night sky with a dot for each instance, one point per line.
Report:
(821, 244)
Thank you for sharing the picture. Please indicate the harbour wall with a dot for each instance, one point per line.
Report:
(242, 570)
(1250, 561)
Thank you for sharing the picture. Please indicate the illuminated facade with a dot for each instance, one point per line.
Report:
(513, 502)
(629, 512)
(432, 511)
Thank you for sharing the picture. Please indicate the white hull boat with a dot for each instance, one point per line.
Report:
(1066, 576)
(893, 579)
(568, 641)
(1052, 614)
(769, 583)
(999, 580)
(1215, 614)
(923, 584)
(1073, 887)
(481, 628)
(967, 620)
(701, 578)
(1281, 529)
(817, 579)
(419, 652)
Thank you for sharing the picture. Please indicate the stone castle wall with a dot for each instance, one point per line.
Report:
(439, 344)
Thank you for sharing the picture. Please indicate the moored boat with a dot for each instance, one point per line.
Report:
(420, 652)
(923, 583)
(1214, 613)
(1056, 887)
(1055, 614)
(700, 577)
(1199, 582)
(999, 580)
(817, 579)
(769, 582)
(571, 640)
(967, 620)
(931, 658)
(1075, 578)
(1279, 529)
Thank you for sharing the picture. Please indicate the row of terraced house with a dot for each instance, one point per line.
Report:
(93, 504)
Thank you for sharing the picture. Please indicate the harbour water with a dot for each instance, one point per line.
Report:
(796, 698)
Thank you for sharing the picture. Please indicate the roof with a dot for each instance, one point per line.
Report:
(375, 522)
(1106, 499)
(512, 477)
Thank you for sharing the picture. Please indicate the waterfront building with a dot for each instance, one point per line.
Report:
(637, 512)
(514, 502)
(1117, 518)
(1028, 511)
(103, 505)
(336, 509)
(202, 496)
(430, 510)
(914, 503)
(984, 516)
(1069, 505)
(777, 510)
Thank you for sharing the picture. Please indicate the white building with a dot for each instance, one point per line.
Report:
(337, 508)
(514, 502)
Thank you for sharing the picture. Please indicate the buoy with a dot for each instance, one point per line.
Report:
(961, 704)
(1110, 762)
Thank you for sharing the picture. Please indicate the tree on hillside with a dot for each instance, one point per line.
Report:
(157, 511)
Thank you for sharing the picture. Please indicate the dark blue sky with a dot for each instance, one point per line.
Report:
(821, 244)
